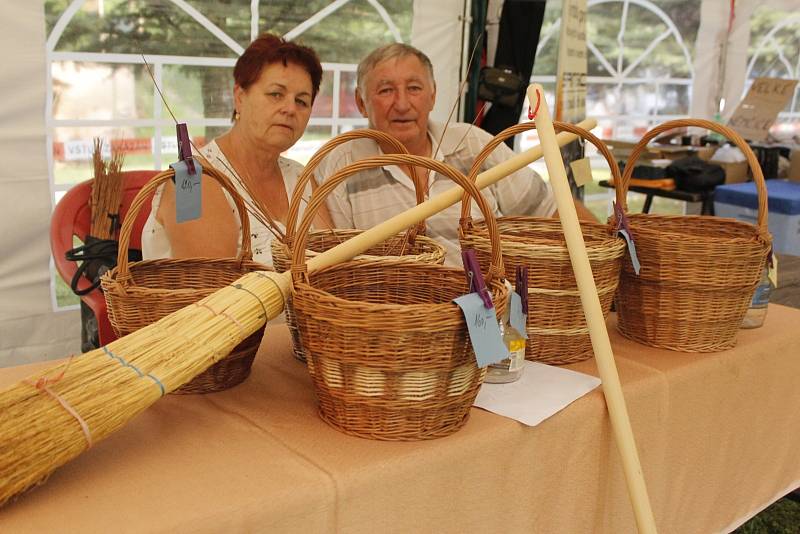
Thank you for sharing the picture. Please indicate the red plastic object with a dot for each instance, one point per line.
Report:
(72, 217)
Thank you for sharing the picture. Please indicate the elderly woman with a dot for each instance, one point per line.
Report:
(275, 85)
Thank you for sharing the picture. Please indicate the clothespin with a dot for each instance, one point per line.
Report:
(185, 147)
(622, 220)
(475, 278)
(521, 286)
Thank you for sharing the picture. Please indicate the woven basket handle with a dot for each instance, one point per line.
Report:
(327, 148)
(511, 131)
(758, 175)
(318, 198)
(245, 252)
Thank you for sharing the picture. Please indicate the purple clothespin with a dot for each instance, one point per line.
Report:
(185, 147)
(521, 286)
(475, 277)
(622, 220)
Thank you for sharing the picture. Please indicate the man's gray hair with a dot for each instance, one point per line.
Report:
(390, 51)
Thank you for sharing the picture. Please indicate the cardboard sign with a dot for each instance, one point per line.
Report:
(572, 63)
(766, 98)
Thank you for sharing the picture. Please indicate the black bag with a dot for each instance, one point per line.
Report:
(695, 175)
(501, 86)
(97, 257)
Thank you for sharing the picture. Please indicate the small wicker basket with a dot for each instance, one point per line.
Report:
(556, 327)
(698, 273)
(141, 293)
(410, 246)
(390, 349)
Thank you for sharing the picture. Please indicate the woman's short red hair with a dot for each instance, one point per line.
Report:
(267, 49)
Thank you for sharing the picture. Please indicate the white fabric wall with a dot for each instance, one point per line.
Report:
(710, 38)
(436, 29)
(29, 329)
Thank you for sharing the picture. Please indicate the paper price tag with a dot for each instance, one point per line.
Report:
(581, 171)
(632, 250)
(484, 331)
(188, 200)
(772, 271)
(517, 317)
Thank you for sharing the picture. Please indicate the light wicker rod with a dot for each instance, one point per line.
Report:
(612, 389)
(738, 140)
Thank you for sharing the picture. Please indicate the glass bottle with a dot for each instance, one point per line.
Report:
(509, 369)
(757, 312)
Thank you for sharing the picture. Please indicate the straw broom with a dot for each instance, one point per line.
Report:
(106, 193)
(52, 417)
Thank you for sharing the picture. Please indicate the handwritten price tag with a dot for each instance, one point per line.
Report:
(484, 330)
(188, 201)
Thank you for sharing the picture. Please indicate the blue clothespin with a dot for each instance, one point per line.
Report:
(521, 286)
(475, 278)
(185, 147)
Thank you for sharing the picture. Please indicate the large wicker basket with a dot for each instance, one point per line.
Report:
(556, 326)
(391, 353)
(140, 293)
(698, 273)
(409, 246)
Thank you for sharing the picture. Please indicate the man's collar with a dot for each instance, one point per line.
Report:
(450, 141)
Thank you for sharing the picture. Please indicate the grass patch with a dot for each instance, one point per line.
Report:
(782, 517)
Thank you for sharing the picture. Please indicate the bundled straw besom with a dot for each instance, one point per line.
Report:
(140, 293)
(391, 355)
(698, 273)
(556, 325)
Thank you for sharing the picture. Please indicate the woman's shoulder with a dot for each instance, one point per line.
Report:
(290, 168)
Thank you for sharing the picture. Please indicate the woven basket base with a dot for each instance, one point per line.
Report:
(430, 424)
(228, 372)
(682, 320)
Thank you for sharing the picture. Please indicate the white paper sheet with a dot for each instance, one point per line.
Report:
(542, 391)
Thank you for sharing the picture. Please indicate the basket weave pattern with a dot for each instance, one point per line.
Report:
(411, 246)
(698, 273)
(390, 351)
(140, 293)
(556, 326)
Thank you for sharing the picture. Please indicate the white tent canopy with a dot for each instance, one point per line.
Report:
(31, 328)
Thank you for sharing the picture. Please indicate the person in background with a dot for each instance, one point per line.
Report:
(275, 84)
(396, 91)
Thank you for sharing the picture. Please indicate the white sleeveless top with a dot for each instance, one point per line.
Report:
(155, 243)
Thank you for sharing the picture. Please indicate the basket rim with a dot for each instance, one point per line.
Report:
(756, 236)
(370, 308)
(532, 241)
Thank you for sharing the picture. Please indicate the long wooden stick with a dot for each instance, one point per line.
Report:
(612, 390)
(360, 243)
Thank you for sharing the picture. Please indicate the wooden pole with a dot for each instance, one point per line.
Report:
(612, 390)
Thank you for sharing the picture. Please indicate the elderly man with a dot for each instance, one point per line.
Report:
(396, 92)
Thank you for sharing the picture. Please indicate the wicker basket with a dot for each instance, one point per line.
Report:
(410, 246)
(391, 351)
(556, 327)
(140, 293)
(698, 273)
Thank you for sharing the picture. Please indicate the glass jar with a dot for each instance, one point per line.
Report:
(509, 369)
(757, 312)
